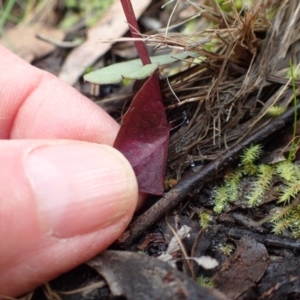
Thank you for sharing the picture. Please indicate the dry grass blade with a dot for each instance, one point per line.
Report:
(226, 92)
(242, 70)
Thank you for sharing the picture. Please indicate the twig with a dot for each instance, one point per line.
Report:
(267, 239)
(191, 180)
(58, 43)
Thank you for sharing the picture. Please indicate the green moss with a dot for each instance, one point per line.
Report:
(204, 220)
(276, 110)
(287, 216)
(226, 249)
(229, 191)
(220, 199)
(289, 191)
(232, 184)
(287, 170)
(248, 159)
(205, 281)
(261, 185)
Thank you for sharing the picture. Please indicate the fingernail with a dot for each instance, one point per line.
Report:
(80, 187)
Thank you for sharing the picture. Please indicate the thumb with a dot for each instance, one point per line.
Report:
(61, 202)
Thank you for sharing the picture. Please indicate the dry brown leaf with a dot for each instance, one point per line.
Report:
(111, 25)
(133, 276)
(241, 273)
(22, 40)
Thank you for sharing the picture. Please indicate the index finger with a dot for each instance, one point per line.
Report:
(35, 104)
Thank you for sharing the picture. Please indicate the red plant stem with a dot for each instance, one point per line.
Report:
(134, 30)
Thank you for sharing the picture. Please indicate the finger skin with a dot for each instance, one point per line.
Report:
(31, 251)
(35, 104)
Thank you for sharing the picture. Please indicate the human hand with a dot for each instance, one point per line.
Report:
(65, 193)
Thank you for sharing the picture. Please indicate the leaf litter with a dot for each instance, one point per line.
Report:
(226, 97)
(243, 270)
(156, 279)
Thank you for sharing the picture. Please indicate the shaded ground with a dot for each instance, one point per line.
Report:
(223, 109)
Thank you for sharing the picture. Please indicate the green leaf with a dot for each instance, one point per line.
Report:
(133, 69)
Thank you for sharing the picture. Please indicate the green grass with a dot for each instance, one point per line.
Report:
(90, 10)
(295, 142)
(5, 14)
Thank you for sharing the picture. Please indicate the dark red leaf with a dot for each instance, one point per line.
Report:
(144, 136)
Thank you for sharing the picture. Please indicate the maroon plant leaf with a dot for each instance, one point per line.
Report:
(144, 136)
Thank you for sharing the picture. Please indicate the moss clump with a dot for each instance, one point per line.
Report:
(205, 281)
(286, 216)
(229, 191)
(205, 219)
(276, 110)
(261, 185)
(226, 249)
